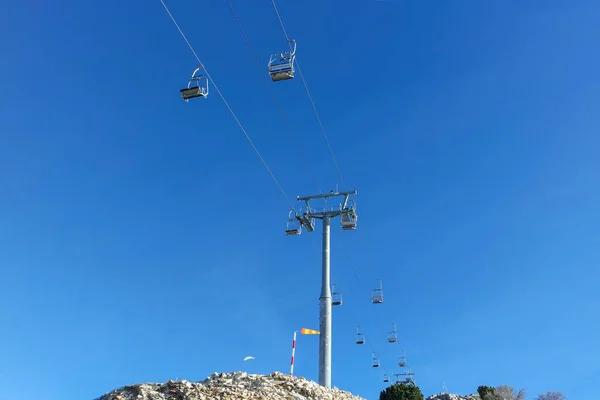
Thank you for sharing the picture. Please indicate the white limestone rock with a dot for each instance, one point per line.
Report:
(232, 386)
(450, 396)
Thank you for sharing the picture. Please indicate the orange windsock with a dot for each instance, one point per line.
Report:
(305, 331)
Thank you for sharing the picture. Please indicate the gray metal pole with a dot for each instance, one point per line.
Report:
(325, 313)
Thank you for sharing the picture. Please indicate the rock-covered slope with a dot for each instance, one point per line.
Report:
(450, 396)
(233, 386)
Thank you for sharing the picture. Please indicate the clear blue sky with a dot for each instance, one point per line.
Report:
(141, 239)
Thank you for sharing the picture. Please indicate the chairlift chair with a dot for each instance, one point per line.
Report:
(293, 225)
(375, 361)
(377, 295)
(281, 65)
(386, 377)
(348, 220)
(336, 297)
(393, 335)
(348, 217)
(360, 338)
(197, 86)
(307, 222)
(402, 360)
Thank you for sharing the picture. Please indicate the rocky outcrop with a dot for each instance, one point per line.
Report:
(233, 386)
(450, 396)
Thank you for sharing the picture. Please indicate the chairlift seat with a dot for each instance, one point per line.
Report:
(402, 363)
(349, 226)
(192, 92)
(392, 339)
(282, 76)
(296, 231)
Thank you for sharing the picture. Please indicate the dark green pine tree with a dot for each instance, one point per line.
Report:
(401, 391)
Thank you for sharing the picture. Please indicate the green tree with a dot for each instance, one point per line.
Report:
(401, 391)
(486, 392)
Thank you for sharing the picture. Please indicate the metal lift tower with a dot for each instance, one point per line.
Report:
(347, 213)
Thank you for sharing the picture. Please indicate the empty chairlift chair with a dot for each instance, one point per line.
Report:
(386, 377)
(360, 338)
(336, 297)
(197, 86)
(393, 335)
(402, 360)
(307, 222)
(293, 225)
(377, 295)
(348, 217)
(281, 65)
(375, 361)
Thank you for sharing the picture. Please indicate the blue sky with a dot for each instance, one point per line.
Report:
(141, 238)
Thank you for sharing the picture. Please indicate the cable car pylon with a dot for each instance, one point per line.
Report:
(306, 220)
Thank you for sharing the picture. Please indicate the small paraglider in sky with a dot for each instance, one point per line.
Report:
(248, 358)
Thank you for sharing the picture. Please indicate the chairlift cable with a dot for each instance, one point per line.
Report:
(227, 105)
(241, 126)
(275, 99)
(310, 97)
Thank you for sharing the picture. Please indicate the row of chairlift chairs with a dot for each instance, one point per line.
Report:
(401, 360)
(296, 222)
(280, 67)
(376, 298)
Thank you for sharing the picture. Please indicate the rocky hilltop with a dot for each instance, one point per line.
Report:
(233, 386)
(449, 396)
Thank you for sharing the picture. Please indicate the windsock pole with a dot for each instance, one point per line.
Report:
(293, 352)
(303, 331)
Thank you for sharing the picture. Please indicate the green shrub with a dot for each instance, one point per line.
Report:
(486, 392)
